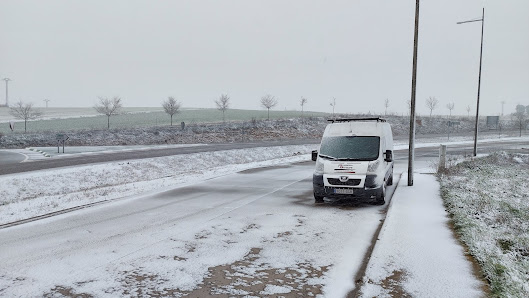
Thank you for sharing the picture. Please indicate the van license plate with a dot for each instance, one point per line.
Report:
(343, 191)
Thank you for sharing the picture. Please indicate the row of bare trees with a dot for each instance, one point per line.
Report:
(432, 102)
(268, 102)
(171, 106)
(26, 111)
(112, 106)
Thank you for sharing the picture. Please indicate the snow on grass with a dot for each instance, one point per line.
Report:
(31, 194)
(489, 203)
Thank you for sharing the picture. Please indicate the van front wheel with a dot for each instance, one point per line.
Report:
(381, 197)
(318, 199)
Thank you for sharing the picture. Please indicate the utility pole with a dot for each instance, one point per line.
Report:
(411, 148)
(482, 20)
(47, 100)
(7, 92)
(502, 104)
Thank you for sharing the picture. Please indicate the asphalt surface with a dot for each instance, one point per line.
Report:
(10, 162)
(10, 158)
(11, 167)
(160, 242)
(109, 249)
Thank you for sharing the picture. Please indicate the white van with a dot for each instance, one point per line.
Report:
(355, 160)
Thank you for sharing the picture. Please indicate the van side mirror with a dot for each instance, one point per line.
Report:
(389, 156)
(314, 155)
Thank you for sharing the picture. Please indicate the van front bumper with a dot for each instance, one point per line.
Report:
(370, 191)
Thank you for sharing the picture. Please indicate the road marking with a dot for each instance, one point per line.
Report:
(26, 157)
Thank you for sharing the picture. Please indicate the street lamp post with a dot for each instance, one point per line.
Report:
(411, 145)
(7, 93)
(482, 20)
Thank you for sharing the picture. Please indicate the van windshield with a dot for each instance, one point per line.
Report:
(350, 148)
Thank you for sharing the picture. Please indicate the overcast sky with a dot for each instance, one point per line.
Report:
(359, 52)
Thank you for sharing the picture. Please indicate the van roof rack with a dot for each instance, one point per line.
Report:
(377, 119)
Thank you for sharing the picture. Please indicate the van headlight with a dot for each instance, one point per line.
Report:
(373, 166)
(319, 167)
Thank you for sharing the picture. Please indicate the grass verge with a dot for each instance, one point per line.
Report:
(488, 201)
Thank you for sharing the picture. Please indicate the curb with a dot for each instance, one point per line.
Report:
(359, 277)
(38, 151)
(47, 215)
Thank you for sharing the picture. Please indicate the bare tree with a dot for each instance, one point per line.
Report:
(409, 106)
(386, 105)
(333, 104)
(171, 106)
(302, 102)
(268, 101)
(520, 116)
(24, 111)
(431, 103)
(468, 111)
(223, 103)
(109, 107)
(450, 106)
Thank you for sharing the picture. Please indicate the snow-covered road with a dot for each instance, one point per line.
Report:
(256, 232)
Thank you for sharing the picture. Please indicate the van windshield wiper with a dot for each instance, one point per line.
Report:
(327, 157)
(349, 159)
(354, 159)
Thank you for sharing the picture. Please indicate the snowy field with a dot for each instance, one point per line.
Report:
(66, 113)
(489, 203)
(70, 119)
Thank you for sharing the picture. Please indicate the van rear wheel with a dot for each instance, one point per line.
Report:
(318, 199)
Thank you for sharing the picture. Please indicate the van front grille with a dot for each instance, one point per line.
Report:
(350, 182)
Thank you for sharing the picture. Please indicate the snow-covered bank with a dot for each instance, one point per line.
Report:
(462, 140)
(489, 203)
(236, 131)
(31, 194)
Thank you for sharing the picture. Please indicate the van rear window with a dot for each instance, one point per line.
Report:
(350, 147)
